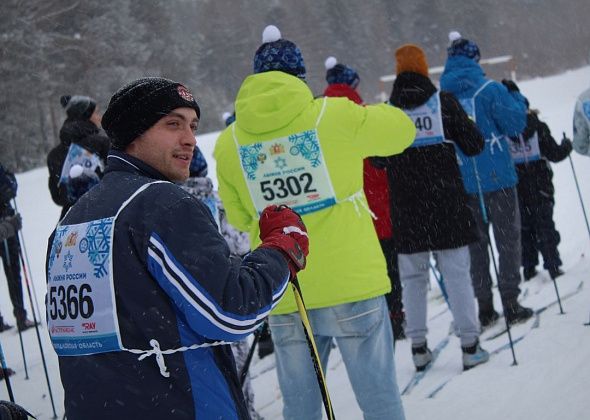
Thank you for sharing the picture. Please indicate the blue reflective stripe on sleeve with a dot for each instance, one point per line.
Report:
(195, 302)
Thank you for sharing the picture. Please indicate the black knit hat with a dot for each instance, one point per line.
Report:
(136, 107)
(78, 107)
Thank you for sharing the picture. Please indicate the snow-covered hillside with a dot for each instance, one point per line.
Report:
(549, 382)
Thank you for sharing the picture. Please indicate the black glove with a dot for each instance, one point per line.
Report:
(9, 226)
(12, 411)
(510, 85)
(566, 143)
(6, 193)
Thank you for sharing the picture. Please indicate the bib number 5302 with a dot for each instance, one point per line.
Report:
(69, 302)
(283, 187)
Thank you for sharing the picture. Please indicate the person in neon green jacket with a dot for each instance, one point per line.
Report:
(286, 147)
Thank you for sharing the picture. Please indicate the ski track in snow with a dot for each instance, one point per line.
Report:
(551, 378)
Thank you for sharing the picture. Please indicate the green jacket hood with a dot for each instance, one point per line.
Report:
(270, 101)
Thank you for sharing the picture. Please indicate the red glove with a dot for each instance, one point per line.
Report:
(281, 228)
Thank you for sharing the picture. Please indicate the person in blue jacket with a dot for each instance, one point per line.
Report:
(490, 177)
(143, 292)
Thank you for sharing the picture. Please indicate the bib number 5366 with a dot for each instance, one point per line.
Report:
(70, 302)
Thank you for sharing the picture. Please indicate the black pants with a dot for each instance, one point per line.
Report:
(538, 229)
(394, 298)
(11, 264)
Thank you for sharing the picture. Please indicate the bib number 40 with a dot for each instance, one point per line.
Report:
(423, 123)
(70, 302)
(289, 186)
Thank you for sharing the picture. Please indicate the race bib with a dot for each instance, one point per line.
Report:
(77, 155)
(290, 171)
(81, 308)
(468, 106)
(428, 122)
(525, 151)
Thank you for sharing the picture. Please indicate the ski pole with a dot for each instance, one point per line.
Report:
(558, 297)
(20, 334)
(439, 279)
(484, 216)
(312, 348)
(25, 272)
(22, 243)
(246, 367)
(579, 192)
(6, 374)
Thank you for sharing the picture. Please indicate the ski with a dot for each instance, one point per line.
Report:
(540, 310)
(535, 324)
(500, 349)
(418, 376)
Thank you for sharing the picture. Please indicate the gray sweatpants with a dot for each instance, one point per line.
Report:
(504, 215)
(453, 264)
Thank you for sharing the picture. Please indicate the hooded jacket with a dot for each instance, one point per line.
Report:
(497, 113)
(345, 263)
(428, 199)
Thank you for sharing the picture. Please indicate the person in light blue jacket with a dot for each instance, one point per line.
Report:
(582, 124)
(490, 177)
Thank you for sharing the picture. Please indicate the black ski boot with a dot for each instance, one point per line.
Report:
(516, 313)
(529, 272)
(487, 314)
(555, 272)
(3, 326)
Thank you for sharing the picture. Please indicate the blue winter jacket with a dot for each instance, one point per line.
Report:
(174, 281)
(498, 113)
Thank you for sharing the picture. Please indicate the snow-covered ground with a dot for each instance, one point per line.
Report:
(553, 371)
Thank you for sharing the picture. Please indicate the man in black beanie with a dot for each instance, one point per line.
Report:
(138, 268)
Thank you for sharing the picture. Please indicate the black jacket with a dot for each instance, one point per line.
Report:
(536, 176)
(83, 133)
(174, 281)
(429, 202)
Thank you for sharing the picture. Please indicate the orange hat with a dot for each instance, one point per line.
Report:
(410, 57)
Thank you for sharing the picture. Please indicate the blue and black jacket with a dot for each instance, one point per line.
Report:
(499, 114)
(174, 281)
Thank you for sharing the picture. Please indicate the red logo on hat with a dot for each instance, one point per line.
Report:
(185, 93)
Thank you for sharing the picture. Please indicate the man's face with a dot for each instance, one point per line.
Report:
(96, 117)
(168, 145)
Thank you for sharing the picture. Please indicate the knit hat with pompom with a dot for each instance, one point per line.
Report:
(337, 73)
(278, 54)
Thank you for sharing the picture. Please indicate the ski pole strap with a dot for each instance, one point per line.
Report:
(159, 353)
(312, 349)
(439, 279)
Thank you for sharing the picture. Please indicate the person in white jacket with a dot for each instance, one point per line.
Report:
(581, 141)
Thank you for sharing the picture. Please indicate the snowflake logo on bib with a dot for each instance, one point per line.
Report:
(249, 157)
(99, 236)
(306, 144)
